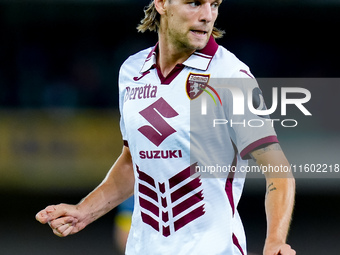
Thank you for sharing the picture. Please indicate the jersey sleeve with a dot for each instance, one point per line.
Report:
(121, 82)
(248, 130)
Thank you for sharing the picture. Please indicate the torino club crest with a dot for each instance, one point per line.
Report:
(197, 84)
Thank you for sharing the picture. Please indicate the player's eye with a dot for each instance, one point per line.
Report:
(216, 4)
(195, 3)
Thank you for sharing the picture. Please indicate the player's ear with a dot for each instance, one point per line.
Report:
(160, 6)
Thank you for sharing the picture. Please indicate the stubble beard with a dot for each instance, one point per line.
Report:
(194, 45)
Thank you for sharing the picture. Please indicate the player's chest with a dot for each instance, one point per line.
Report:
(149, 98)
(178, 91)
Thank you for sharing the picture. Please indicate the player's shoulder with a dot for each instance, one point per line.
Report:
(132, 67)
(136, 60)
(230, 65)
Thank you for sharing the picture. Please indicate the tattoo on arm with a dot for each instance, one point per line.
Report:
(264, 149)
(270, 188)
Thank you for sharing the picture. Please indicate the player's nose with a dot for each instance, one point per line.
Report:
(206, 13)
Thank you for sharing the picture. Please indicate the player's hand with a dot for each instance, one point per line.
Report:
(278, 249)
(63, 219)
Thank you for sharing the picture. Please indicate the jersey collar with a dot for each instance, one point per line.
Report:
(199, 59)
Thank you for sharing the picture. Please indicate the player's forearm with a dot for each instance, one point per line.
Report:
(115, 188)
(280, 194)
(279, 205)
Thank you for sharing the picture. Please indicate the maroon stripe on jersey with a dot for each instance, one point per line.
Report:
(229, 182)
(195, 183)
(145, 177)
(149, 206)
(202, 56)
(150, 221)
(245, 72)
(126, 144)
(237, 244)
(164, 203)
(161, 187)
(148, 192)
(187, 203)
(229, 190)
(198, 212)
(211, 47)
(185, 174)
(153, 51)
(165, 216)
(166, 231)
(254, 145)
(171, 76)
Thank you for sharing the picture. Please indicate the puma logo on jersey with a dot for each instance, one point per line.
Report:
(146, 91)
(171, 205)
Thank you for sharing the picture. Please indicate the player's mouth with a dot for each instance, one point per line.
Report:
(200, 33)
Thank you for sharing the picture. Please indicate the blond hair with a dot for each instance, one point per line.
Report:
(151, 21)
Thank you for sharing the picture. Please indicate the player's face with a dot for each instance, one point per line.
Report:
(189, 23)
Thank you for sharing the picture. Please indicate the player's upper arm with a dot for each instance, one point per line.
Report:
(126, 155)
(271, 158)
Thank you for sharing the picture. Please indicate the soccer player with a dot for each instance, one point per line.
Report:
(178, 211)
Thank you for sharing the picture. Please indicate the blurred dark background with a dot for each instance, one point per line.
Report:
(59, 129)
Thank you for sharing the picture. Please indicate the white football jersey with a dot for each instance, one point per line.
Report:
(177, 209)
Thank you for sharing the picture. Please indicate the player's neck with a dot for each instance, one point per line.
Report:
(169, 55)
